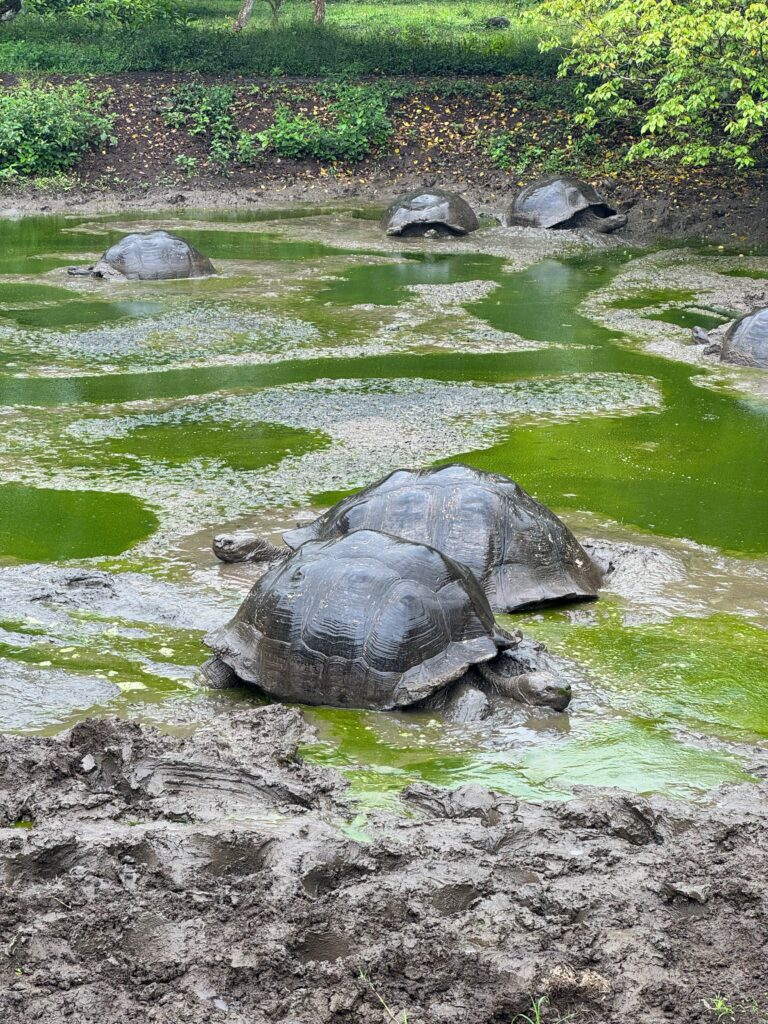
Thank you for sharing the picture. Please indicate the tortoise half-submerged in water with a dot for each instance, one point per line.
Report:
(746, 340)
(149, 256)
(430, 212)
(743, 342)
(522, 554)
(561, 201)
(368, 621)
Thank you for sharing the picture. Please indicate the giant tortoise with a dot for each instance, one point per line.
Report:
(149, 256)
(561, 201)
(746, 340)
(430, 212)
(369, 621)
(523, 555)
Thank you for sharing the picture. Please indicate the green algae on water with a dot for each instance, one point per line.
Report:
(42, 524)
(93, 373)
(241, 447)
(709, 673)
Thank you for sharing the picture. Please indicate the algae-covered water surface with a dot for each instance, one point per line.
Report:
(140, 418)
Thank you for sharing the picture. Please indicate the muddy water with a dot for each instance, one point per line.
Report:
(139, 418)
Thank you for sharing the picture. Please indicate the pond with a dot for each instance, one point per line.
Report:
(138, 419)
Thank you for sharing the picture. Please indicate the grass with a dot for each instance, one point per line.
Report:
(726, 1010)
(536, 1014)
(447, 37)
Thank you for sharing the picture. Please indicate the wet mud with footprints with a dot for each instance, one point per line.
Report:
(217, 877)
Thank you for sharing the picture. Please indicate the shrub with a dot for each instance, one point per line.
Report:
(356, 122)
(119, 12)
(207, 111)
(690, 78)
(46, 129)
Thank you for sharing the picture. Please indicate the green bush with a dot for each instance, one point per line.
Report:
(207, 111)
(46, 129)
(357, 121)
(119, 12)
(690, 78)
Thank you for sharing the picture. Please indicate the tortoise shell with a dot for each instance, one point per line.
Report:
(553, 202)
(432, 209)
(156, 256)
(366, 620)
(746, 340)
(521, 553)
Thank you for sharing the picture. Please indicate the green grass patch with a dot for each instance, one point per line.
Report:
(358, 38)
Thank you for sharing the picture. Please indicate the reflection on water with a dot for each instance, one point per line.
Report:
(130, 406)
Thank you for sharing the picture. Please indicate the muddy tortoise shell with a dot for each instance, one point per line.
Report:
(365, 620)
(523, 555)
(554, 200)
(429, 209)
(156, 256)
(746, 340)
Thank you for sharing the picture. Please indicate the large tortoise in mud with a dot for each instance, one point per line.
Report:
(562, 201)
(743, 342)
(522, 554)
(746, 340)
(369, 621)
(430, 212)
(149, 256)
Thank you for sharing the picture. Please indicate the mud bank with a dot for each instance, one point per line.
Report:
(657, 215)
(211, 878)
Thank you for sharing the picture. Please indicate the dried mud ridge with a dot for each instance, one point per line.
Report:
(208, 879)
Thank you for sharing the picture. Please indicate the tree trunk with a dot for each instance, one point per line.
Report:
(242, 19)
(319, 8)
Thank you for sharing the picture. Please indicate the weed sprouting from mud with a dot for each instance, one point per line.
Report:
(536, 1016)
(401, 1018)
(536, 1013)
(724, 1009)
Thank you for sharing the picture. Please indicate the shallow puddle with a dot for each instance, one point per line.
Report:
(137, 419)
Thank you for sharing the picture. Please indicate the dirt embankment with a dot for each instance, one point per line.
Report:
(208, 879)
(442, 132)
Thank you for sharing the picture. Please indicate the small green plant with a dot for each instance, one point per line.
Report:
(356, 121)
(513, 150)
(187, 164)
(207, 111)
(536, 1013)
(719, 1007)
(45, 129)
(391, 1015)
(498, 148)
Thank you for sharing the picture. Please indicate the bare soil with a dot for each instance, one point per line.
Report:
(208, 878)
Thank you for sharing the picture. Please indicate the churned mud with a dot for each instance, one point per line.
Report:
(216, 877)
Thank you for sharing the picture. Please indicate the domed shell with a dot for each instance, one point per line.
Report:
(746, 340)
(156, 256)
(553, 201)
(430, 209)
(365, 621)
(521, 553)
